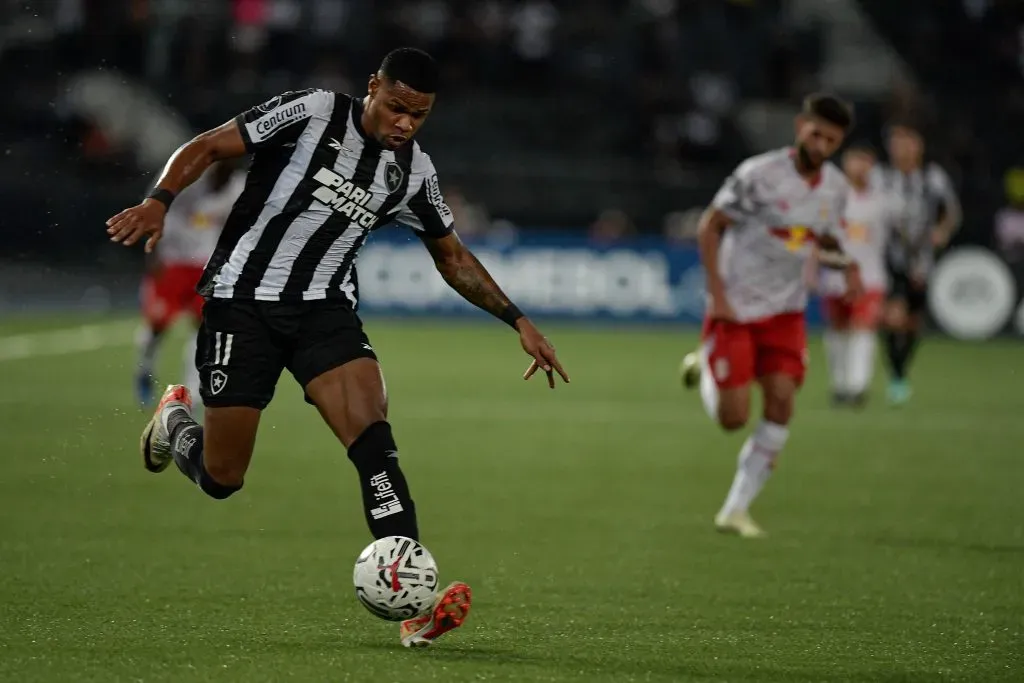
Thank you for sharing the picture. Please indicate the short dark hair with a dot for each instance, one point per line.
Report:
(830, 108)
(411, 66)
(862, 147)
(907, 124)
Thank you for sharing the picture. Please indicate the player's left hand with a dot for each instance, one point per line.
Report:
(854, 284)
(536, 344)
(131, 225)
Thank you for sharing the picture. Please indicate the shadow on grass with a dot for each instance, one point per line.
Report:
(945, 544)
(558, 662)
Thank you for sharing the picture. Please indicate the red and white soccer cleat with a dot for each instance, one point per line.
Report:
(450, 611)
(155, 444)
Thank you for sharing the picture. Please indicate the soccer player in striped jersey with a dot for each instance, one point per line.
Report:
(281, 288)
(924, 212)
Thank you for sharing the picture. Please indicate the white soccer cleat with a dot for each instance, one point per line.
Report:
(449, 612)
(155, 444)
(689, 370)
(739, 523)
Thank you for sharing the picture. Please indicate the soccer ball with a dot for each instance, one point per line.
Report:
(396, 578)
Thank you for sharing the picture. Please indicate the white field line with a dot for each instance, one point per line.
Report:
(66, 341)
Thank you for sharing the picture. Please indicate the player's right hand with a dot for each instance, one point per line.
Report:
(721, 309)
(129, 226)
(537, 345)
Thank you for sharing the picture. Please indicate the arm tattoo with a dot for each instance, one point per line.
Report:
(467, 276)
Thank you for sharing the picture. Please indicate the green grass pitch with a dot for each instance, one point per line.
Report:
(581, 517)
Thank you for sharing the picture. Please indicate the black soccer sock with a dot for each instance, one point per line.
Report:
(187, 448)
(909, 347)
(895, 346)
(386, 499)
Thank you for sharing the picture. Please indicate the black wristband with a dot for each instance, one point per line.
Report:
(510, 315)
(165, 197)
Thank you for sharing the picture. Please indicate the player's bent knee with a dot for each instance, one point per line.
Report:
(734, 408)
(351, 398)
(225, 473)
(732, 417)
(363, 418)
(220, 483)
(732, 422)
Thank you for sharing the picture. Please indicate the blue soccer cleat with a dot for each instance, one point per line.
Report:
(144, 389)
(899, 392)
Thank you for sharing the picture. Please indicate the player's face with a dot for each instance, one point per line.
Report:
(857, 165)
(905, 147)
(816, 140)
(396, 111)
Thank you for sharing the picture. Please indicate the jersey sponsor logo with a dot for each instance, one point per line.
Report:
(435, 198)
(858, 232)
(794, 237)
(344, 197)
(393, 176)
(267, 125)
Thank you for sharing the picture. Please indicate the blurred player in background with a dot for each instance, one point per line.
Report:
(755, 241)
(852, 323)
(924, 211)
(191, 229)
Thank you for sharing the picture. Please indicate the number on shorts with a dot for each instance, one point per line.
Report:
(222, 347)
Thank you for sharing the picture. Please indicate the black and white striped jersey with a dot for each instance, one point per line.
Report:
(914, 202)
(317, 186)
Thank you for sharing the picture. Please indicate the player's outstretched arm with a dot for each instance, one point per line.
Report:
(185, 166)
(466, 275)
